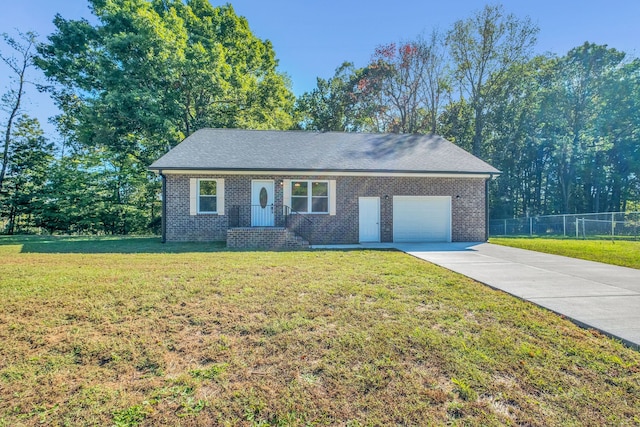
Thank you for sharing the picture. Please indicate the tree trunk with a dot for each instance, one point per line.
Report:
(20, 70)
(7, 135)
(476, 146)
(12, 221)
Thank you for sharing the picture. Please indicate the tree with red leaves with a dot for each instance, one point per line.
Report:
(403, 85)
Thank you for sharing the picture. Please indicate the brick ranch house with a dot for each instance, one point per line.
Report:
(284, 189)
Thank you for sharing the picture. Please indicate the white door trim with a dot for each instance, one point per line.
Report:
(369, 219)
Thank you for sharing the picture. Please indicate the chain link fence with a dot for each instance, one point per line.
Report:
(604, 225)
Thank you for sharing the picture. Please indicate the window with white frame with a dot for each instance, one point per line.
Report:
(207, 196)
(310, 196)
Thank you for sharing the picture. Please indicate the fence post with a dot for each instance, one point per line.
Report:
(613, 225)
(564, 225)
(577, 232)
(530, 226)
(505, 227)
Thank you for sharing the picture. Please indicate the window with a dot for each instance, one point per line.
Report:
(207, 196)
(310, 196)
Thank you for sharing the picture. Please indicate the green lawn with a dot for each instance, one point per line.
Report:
(131, 332)
(624, 253)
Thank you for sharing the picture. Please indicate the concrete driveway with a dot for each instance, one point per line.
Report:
(592, 294)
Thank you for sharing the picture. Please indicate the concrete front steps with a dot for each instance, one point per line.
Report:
(264, 238)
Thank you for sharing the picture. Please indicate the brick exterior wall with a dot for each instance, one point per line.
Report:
(467, 206)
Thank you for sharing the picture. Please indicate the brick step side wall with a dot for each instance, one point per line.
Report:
(264, 238)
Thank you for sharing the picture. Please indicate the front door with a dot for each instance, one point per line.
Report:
(262, 211)
(369, 215)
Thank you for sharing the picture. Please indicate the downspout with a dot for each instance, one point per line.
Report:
(163, 219)
(486, 207)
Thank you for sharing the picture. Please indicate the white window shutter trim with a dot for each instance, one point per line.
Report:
(332, 197)
(220, 195)
(286, 194)
(193, 196)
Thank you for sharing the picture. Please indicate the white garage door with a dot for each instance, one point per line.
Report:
(421, 219)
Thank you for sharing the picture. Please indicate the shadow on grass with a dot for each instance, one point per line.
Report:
(142, 245)
(104, 244)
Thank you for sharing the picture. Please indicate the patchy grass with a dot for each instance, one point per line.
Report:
(290, 338)
(623, 253)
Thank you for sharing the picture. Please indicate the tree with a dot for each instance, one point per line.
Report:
(27, 172)
(564, 133)
(328, 106)
(152, 72)
(482, 48)
(397, 73)
(401, 90)
(436, 77)
(582, 74)
(24, 48)
(516, 143)
(618, 124)
(456, 123)
(402, 87)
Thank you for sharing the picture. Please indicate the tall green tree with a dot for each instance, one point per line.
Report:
(328, 107)
(456, 123)
(516, 142)
(583, 74)
(564, 132)
(482, 48)
(618, 124)
(30, 158)
(151, 72)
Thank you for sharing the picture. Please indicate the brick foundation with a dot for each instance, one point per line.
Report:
(264, 238)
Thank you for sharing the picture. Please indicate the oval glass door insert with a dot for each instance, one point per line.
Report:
(263, 198)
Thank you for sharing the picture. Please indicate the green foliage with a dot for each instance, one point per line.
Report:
(133, 85)
(24, 150)
(400, 91)
(482, 48)
(564, 133)
(456, 123)
(27, 171)
(328, 106)
(563, 130)
(152, 72)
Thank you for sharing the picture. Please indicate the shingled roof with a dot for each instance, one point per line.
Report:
(268, 150)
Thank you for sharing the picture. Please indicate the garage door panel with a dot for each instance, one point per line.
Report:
(422, 219)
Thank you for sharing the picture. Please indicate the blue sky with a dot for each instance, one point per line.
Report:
(312, 38)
